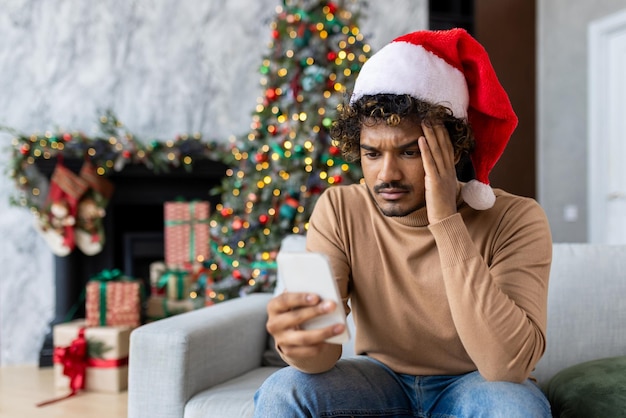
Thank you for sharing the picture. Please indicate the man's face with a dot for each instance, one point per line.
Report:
(392, 166)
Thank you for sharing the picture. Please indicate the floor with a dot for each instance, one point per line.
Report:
(22, 387)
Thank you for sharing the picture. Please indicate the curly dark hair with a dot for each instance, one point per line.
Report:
(393, 109)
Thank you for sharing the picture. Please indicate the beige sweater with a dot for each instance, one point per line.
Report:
(468, 293)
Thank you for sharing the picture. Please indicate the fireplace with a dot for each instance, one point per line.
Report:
(133, 229)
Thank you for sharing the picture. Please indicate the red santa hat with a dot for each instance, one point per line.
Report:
(449, 68)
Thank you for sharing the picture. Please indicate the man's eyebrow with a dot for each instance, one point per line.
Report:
(413, 143)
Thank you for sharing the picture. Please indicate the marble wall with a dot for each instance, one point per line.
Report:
(164, 67)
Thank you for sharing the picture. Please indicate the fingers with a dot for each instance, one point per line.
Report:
(286, 314)
(288, 301)
(309, 343)
(440, 174)
(438, 152)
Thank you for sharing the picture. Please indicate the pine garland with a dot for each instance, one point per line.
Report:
(111, 149)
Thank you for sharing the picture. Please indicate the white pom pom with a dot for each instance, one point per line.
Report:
(478, 195)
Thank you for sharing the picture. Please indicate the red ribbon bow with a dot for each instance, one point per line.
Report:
(74, 361)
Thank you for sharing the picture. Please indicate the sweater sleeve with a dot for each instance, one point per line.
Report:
(498, 295)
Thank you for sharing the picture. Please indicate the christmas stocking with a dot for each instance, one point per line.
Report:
(56, 221)
(91, 210)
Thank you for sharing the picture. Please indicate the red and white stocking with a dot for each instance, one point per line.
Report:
(56, 221)
(89, 229)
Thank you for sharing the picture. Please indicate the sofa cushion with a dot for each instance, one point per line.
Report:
(233, 399)
(594, 388)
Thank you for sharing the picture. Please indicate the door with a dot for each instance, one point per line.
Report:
(607, 130)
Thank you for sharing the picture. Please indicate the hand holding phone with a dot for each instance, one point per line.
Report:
(311, 273)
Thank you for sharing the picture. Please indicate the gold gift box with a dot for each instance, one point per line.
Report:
(107, 355)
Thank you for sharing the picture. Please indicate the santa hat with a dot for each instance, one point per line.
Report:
(448, 68)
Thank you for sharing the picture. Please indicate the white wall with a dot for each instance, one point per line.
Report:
(164, 67)
(562, 109)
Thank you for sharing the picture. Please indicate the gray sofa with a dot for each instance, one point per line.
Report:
(209, 362)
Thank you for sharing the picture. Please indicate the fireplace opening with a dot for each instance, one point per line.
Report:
(133, 228)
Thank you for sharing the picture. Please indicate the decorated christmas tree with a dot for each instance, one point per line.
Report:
(287, 160)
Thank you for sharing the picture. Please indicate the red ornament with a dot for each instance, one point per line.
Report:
(271, 94)
(337, 179)
(275, 34)
(292, 202)
(237, 224)
(263, 219)
(237, 275)
(332, 7)
(25, 149)
(226, 212)
(67, 137)
(261, 157)
(126, 154)
(332, 55)
(334, 151)
(315, 190)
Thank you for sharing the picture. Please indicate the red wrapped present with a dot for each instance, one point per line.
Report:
(113, 299)
(186, 233)
(91, 358)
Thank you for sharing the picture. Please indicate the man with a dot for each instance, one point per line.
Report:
(447, 281)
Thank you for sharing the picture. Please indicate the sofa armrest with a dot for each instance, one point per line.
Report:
(177, 357)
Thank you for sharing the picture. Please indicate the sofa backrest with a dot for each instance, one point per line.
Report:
(586, 306)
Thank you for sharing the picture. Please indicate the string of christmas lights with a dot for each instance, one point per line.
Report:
(111, 149)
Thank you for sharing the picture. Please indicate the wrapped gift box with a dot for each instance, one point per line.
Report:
(106, 359)
(159, 307)
(176, 283)
(186, 233)
(157, 268)
(113, 301)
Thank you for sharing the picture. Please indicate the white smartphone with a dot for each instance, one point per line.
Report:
(311, 273)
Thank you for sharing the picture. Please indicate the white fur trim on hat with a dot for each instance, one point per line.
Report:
(406, 68)
(478, 195)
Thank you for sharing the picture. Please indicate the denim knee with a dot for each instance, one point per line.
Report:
(280, 392)
(501, 399)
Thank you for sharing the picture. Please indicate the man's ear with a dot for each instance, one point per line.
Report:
(457, 157)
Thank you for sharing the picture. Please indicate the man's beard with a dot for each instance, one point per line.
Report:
(394, 211)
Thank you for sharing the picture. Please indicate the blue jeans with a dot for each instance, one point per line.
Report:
(363, 387)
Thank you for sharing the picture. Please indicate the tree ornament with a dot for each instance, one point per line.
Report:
(289, 207)
(261, 157)
(271, 94)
